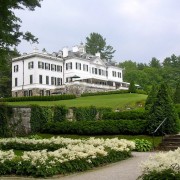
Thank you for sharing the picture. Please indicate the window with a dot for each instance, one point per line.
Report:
(40, 65)
(78, 66)
(31, 79)
(47, 66)
(40, 79)
(47, 79)
(41, 92)
(59, 81)
(53, 67)
(31, 65)
(25, 93)
(119, 75)
(48, 93)
(68, 65)
(85, 67)
(16, 81)
(16, 94)
(100, 72)
(95, 70)
(53, 81)
(107, 73)
(59, 68)
(30, 93)
(114, 73)
(16, 68)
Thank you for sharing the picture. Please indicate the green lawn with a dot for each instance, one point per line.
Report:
(114, 101)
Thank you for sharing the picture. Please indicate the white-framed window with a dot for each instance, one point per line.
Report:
(85, 67)
(59, 68)
(59, 81)
(40, 65)
(30, 93)
(93, 70)
(47, 80)
(78, 66)
(114, 73)
(40, 79)
(68, 65)
(16, 68)
(119, 75)
(16, 81)
(47, 66)
(31, 79)
(53, 81)
(53, 67)
(31, 65)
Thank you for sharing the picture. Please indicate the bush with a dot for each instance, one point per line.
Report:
(142, 145)
(129, 115)
(5, 115)
(39, 118)
(105, 93)
(60, 113)
(100, 127)
(39, 98)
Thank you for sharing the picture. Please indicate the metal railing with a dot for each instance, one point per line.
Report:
(154, 132)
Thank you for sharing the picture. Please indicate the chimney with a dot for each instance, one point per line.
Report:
(65, 52)
(98, 55)
(75, 48)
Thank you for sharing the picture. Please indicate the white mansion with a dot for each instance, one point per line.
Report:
(68, 71)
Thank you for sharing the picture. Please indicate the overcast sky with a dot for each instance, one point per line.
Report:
(137, 29)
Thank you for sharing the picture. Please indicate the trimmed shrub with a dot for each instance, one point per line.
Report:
(39, 117)
(105, 93)
(39, 98)
(97, 127)
(128, 115)
(60, 113)
(5, 115)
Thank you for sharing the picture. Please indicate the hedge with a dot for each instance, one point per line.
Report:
(105, 93)
(39, 98)
(101, 127)
(128, 115)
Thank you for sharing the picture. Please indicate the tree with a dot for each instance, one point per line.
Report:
(9, 24)
(151, 97)
(96, 43)
(162, 108)
(132, 87)
(177, 94)
(155, 63)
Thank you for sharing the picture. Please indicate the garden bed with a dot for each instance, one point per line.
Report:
(72, 155)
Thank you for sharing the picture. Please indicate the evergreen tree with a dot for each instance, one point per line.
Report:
(96, 43)
(162, 108)
(132, 87)
(177, 94)
(151, 97)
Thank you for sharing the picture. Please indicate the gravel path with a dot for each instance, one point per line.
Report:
(124, 170)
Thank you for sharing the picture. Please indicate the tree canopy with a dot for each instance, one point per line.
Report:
(96, 43)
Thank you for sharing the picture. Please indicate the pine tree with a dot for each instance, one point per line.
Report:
(177, 94)
(151, 97)
(162, 108)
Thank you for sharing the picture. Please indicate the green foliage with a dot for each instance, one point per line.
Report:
(177, 94)
(96, 43)
(24, 167)
(127, 115)
(39, 98)
(167, 174)
(100, 127)
(85, 113)
(163, 108)
(60, 113)
(142, 145)
(132, 87)
(104, 93)
(5, 115)
(38, 118)
(151, 97)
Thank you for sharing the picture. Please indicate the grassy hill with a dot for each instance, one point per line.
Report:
(114, 101)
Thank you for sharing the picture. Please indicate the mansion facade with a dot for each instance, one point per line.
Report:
(64, 72)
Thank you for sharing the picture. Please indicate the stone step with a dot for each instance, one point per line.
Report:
(171, 143)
